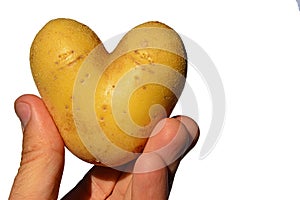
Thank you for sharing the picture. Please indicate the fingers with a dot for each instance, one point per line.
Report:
(98, 183)
(193, 130)
(172, 138)
(193, 134)
(151, 184)
(155, 168)
(42, 161)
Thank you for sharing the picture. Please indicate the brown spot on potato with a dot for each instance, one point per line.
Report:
(138, 149)
(104, 107)
(78, 58)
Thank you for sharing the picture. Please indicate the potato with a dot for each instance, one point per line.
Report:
(105, 105)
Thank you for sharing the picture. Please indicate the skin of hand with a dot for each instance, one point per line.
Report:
(42, 162)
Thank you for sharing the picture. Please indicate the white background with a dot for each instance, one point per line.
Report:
(255, 46)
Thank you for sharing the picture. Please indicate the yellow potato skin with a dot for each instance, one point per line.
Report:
(141, 100)
(56, 55)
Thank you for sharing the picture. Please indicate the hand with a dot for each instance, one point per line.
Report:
(42, 160)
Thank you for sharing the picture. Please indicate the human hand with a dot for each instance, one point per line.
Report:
(42, 160)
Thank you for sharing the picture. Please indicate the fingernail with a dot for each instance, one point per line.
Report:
(23, 111)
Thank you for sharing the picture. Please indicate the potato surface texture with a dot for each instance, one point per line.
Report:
(105, 105)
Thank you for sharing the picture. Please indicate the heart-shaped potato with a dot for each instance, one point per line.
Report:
(105, 105)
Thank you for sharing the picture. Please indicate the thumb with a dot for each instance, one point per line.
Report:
(42, 161)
